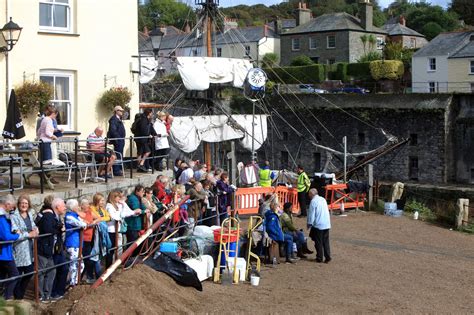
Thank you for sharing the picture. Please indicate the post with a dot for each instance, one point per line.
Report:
(41, 143)
(12, 189)
(79, 257)
(344, 141)
(131, 156)
(254, 158)
(153, 156)
(106, 160)
(462, 212)
(233, 163)
(76, 148)
(370, 175)
(35, 264)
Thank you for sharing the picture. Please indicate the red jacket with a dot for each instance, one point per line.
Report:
(160, 193)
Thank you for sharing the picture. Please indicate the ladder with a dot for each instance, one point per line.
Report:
(230, 233)
(251, 228)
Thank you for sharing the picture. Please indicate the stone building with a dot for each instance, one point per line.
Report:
(330, 38)
(398, 32)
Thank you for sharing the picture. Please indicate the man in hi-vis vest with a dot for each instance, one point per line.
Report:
(265, 175)
(302, 186)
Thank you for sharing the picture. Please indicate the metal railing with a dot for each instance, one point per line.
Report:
(75, 160)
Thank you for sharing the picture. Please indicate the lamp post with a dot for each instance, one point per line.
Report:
(10, 33)
(156, 35)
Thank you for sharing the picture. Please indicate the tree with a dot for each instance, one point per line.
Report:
(364, 38)
(431, 30)
(270, 60)
(465, 10)
(301, 60)
(171, 13)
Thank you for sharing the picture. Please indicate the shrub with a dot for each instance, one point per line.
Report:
(370, 56)
(294, 75)
(270, 60)
(424, 213)
(116, 96)
(301, 60)
(33, 97)
(360, 70)
(341, 71)
(388, 69)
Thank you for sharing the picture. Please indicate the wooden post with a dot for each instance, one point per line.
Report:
(370, 175)
(462, 212)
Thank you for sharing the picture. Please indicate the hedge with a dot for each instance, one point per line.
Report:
(387, 69)
(360, 71)
(294, 75)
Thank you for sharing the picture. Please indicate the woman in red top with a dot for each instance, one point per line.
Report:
(91, 263)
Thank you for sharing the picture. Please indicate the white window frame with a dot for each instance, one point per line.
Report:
(432, 87)
(327, 42)
(54, 29)
(70, 76)
(471, 66)
(313, 44)
(293, 44)
(380, 42)
(430, 65)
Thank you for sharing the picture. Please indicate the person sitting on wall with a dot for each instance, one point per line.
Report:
(96, 144)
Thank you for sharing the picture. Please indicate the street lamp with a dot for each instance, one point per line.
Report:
(11, 33)
(156, 36)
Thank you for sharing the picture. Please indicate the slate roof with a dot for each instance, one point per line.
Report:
(251, 34)
(333, 22)
(453, 45)
(397, 29)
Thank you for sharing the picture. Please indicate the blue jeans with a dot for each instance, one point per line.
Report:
(288, 240)
(298, 238)
(8, 270)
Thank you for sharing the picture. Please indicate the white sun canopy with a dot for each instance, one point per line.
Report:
(187, 132)
(198, 72)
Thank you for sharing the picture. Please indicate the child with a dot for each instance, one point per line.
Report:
(182, 213)
(73, 221)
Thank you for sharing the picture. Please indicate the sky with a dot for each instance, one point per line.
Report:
(383, 3)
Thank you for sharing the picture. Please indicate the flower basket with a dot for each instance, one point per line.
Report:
(116, 96)
(33, 97)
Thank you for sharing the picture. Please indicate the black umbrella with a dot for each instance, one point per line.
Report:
(13, 125)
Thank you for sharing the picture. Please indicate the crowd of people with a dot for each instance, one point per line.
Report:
(106, 223)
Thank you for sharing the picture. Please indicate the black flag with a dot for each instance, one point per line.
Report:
(13, 125)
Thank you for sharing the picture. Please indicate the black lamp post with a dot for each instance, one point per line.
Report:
(11, 33)
(156, 35)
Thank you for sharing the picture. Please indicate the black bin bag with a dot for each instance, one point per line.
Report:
(176, 269)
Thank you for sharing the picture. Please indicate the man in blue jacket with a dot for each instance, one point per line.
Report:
(7, 262)
(117, 130)
(274, 231)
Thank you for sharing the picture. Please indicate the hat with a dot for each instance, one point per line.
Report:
(118, 107)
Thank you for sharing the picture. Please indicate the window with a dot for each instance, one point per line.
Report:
(431, 64)
(317, 161)
(412, 42)
(247, 50)
(295, 44)
(315, 59)
(361, 138)
(62, 83)
(285, 136)
(432, 87)
(380, 43)
(331, 61)
(413, 139)
(413, 167)
(55, 15)
(219, 52)
(471, 67)
(331, 41)
(312, 43)
(284, 159)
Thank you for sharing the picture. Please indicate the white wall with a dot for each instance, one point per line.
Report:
(421, 76)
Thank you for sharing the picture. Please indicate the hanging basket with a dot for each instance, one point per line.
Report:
(116, 96)
(33, 97)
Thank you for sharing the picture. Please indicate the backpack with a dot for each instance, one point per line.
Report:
(134, 127)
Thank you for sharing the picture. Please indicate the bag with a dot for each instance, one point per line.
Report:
(134, 127)
(123, 227)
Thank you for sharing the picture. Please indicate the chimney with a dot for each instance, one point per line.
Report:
(366, 14)
(187, 28)
(303, 14)
(402, 20)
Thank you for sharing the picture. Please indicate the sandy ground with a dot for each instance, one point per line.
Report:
(380, 265)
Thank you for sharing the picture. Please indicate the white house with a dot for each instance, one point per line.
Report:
(81, 47)
(445, 65)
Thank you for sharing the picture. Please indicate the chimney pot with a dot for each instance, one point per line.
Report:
(402, 20)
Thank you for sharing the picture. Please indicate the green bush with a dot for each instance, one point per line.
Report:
(116, 96)
(301, 60)
(294, 75)
(387, 69)
(424, 213)
(33, 97)
(360, 70)
(341, 71)
(370, 56)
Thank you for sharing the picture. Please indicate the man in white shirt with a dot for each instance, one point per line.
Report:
(162, 146)
(186, 175)
(319, 223)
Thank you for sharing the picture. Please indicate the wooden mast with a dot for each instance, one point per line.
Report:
(208, 8)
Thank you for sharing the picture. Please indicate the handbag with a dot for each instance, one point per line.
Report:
(123, 227)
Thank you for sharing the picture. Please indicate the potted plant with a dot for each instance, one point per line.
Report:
(116, 96)
(33, 96)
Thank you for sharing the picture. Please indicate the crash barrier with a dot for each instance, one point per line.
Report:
(339, 198)
(246, 199)
(19, 160)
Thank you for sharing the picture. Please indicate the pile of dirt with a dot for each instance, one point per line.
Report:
(140, 290)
